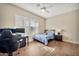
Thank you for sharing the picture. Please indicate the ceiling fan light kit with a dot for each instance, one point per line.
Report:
(42, 10)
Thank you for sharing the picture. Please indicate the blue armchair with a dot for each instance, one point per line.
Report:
(8, 42)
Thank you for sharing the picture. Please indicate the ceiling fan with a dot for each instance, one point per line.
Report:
(43, 7)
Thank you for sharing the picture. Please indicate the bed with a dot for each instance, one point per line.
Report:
(42, 37)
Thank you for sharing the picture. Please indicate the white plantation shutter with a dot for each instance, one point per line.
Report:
(31, 26)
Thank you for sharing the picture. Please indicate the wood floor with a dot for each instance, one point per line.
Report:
(54, 48)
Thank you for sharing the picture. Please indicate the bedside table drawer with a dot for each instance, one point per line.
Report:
(58, 37)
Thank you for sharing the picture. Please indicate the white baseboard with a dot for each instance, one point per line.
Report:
(71, 41)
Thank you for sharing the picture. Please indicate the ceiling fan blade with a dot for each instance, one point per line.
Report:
(45, 10)
(43, 7)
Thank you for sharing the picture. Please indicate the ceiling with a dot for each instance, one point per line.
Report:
(52, 8)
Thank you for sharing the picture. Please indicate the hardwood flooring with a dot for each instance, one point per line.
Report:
(54, 48)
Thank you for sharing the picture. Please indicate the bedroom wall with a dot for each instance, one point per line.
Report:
(78, 26)
(0, 16)
(69, 22)
(8, 12)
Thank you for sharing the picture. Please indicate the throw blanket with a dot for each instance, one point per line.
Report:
(43, 37)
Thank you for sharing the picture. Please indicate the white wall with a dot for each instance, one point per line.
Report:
(78, 26)
(69, 22)
(8, 13)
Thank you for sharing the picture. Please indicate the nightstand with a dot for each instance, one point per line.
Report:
(58, 37)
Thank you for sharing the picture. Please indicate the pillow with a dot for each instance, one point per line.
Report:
(50, 33)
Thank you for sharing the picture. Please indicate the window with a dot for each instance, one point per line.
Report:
(31, 26)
